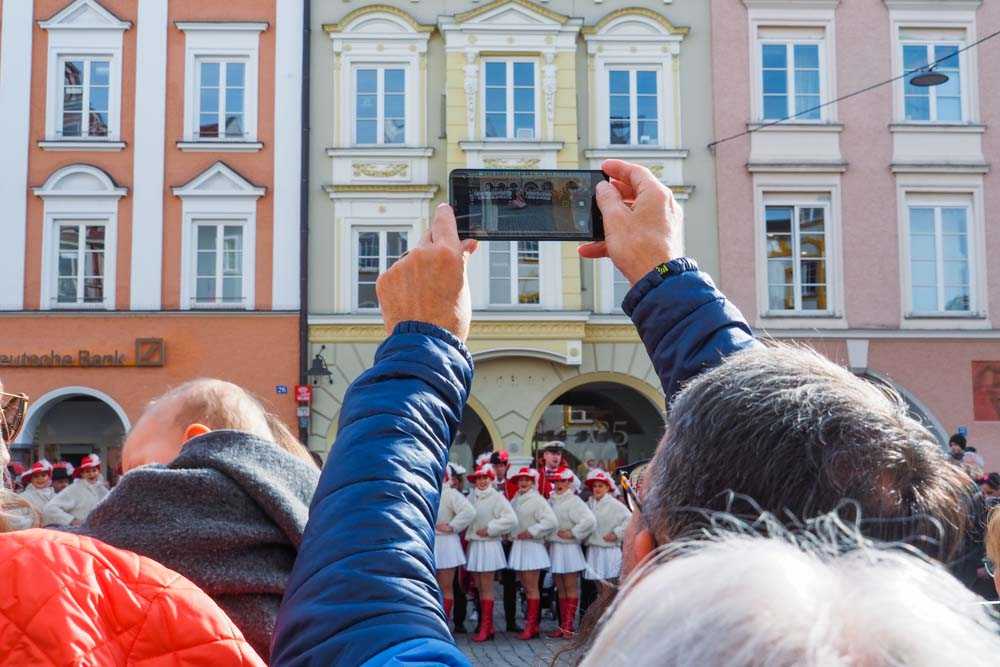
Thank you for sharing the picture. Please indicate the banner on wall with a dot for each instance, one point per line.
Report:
(986, 391)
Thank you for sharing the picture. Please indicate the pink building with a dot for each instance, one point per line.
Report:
(862, 227)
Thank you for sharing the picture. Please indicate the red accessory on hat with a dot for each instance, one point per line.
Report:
(598, 475)
(562, 475)
(89, 461)
(500, 457)
(42, 466)
(485, 470)
(523, 471)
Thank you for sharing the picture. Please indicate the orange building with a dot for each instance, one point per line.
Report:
(151, 208)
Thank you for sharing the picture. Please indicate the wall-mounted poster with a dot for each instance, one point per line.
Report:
(986, 390)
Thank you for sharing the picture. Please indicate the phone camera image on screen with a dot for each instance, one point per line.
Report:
(527, 204)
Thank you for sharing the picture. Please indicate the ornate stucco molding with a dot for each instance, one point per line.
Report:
(549, 87)
(471, 87)
(379, 169)
(511, 163)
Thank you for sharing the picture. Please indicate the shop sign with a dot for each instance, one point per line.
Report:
(148, 352)
(281, 389)
(303, 393)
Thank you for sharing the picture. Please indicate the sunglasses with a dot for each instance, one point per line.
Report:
(13, 407)
(629, 477)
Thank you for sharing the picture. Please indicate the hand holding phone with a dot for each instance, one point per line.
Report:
(527, 204)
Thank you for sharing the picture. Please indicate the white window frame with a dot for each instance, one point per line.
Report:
(51, 295)
(790, 45)
(88, 59)
(806, 190)
(929, 47)
(515, 278)
(218, 221)
(380, 69)
(606, 277)
(511, 131)
(935, 23)
(53, 108)
(382, 231)
(223, 62)
(633, 98)
(970, 201)
(796, 204)
(232, 41)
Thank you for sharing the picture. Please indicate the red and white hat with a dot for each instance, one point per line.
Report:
(483, 458)
(89, 461)
(484, 470)
(562, 475)
(41, 466)
(598, 475)
(522, 471)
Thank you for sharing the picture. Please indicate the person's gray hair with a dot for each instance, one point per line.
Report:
(742, 596)
(797, 434)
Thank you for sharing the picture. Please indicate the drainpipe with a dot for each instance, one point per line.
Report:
(304, 212)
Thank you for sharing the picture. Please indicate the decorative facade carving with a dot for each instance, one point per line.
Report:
(511, 163)
(379, 169)
(549, 86)
(471, 86)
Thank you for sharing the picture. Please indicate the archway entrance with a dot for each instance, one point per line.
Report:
(472, 439)
(70, 423)
(604, 424)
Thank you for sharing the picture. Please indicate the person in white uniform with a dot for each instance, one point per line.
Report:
(74, 505)
(494, 518)
(535, 522)
(38, 490)
(604, 551)
(576, 522)
(455, 513)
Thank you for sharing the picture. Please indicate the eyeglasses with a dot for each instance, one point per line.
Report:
(629, 478)
(12, 410)
(991, 568)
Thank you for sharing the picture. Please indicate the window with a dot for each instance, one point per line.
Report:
(510, 99)
(376, 250)
(80, 273)
(84, 96)
(936, 103)
(514, 273)
(219, 264)
(620, 286)
(796, 258)
(380, 110)
(221, 99)
(791, 80)
(634, 107)
(939, 259)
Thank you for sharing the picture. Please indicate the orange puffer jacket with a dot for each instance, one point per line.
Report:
(71, 600)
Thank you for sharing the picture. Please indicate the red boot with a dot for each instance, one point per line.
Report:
(570, 604)
(531, 622)
(485, 621)
(558, 632)
(448, 605)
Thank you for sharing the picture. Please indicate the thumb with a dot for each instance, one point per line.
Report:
(609, 200)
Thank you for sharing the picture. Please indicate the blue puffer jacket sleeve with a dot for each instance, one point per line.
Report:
(363, 591)
(686, 324)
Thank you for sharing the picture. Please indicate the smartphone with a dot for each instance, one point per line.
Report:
(527, 204)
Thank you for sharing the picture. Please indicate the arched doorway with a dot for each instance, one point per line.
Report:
(69, 423)
(474, 438)
(914, 407)
(604, 424)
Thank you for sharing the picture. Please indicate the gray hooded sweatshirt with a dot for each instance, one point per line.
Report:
(228, 514)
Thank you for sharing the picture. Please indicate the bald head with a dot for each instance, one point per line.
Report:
(187, 411)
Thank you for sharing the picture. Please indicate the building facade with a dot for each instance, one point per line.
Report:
(862, 227)
(403, 93)
(151, 208)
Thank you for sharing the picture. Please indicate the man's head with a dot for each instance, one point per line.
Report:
(991, 485)
(192, 409)
(61, 477)
(500, 462)
(90, 468)
(790, 433)
(827, 603)
(552, 455)
(956, 445)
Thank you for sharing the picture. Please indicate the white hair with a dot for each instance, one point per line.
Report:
(741, 599)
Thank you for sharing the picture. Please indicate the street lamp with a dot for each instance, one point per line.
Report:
(319, 369)
(928, 77)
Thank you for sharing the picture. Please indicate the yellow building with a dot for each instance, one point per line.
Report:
(404, 93)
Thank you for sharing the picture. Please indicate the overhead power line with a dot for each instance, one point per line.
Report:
(925, 68)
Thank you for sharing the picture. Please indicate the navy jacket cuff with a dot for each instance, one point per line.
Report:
(653, 279)
(427, 329)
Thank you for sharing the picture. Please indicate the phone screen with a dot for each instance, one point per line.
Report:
(527, 204)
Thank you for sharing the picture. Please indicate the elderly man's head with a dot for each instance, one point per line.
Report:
(195, 408)
(786, 431)
(738, 600)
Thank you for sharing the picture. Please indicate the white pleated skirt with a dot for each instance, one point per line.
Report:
(603, 563)
(448, 551)
(566, 558)
(527, 555)
(485, 556)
